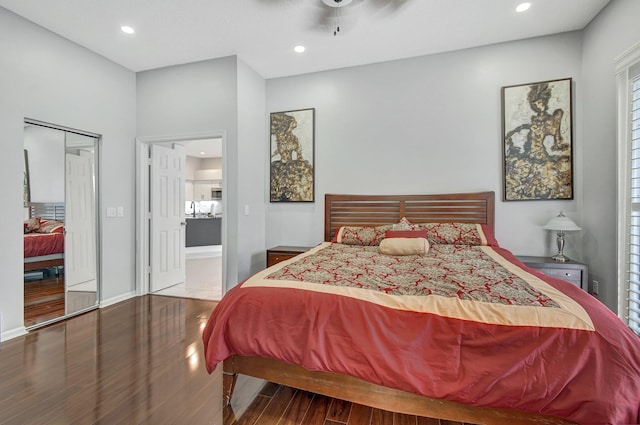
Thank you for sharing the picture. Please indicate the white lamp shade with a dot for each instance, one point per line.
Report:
(561, 222)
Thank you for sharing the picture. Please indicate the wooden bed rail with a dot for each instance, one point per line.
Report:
(355, 390)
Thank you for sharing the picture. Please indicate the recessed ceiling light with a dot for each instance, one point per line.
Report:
(127, 29)
(523, 6)
(201, 153)
(299, 49)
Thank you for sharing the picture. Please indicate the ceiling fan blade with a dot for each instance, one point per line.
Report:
(328, 19)
(387, 6)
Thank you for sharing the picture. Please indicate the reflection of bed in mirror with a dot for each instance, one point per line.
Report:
(61, 249)
(44, 247)
(44, 293)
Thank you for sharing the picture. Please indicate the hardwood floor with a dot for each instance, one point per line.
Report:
(136, 362)
(141, 362)
(43, 299)
(281, 405)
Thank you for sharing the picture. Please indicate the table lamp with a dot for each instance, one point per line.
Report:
(562, 224)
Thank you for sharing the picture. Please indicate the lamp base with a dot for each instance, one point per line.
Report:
(561, 258)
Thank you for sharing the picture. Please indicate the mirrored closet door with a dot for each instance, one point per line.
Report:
(61, 238)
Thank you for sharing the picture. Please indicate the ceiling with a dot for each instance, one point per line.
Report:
(205, 148)
(263, 33)
(201, 148)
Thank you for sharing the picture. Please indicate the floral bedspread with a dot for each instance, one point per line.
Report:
(460, 271)
(469, 324)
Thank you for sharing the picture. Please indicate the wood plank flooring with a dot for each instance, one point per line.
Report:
(280, 405)
(136, 362)
(43, 300)
(140, 362)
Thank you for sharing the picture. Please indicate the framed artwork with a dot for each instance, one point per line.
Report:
(292, 156)
(537, 140)
(26, 192)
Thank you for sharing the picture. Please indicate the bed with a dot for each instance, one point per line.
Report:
(525, 349)
(44, 241)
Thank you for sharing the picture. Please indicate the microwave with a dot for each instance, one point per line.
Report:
(216, 193)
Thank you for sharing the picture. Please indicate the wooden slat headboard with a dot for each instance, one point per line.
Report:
(375, 210)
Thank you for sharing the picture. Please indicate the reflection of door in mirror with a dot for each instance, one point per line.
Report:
(60, 240)
(80, 241)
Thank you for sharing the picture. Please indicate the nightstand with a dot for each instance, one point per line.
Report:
(571, 271)
(281, 253)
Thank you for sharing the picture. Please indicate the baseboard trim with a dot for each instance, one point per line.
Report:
(13, 333)
(117, 299)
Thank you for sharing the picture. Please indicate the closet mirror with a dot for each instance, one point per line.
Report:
(61, 261)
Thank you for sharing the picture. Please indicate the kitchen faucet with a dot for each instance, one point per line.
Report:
(193, 207)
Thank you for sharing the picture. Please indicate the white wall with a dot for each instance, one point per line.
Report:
(430, 124)
(195, 98)
(252, 155)
(612, 32)
(45, 150)
(211, 163)
(192, 164)
(48, 78)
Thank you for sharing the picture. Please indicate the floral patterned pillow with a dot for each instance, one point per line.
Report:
(31, 225)
(405, 224)
(365, 236)
(51, 226)
(437, 233)
(454, 233)
(449, 233)
(391, 234)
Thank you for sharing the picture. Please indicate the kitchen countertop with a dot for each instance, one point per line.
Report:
(200, 217)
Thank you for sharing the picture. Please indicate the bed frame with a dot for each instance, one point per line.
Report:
(48, 211)
(363, 210)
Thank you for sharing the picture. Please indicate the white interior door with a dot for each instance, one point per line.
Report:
(167, 239)
(79, 240)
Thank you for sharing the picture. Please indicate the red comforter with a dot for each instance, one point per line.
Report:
(39, 244)
(470, 324)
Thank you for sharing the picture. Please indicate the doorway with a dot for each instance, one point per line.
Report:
(193, 215)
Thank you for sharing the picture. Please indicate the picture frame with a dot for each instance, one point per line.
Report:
(26, 188)
(292, 156)
(537, 141)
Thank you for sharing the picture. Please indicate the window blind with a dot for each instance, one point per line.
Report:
(633, 283)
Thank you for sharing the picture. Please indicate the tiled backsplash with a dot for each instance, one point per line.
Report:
(204, 207)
